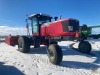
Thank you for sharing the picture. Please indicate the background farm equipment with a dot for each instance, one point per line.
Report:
(48, 33)
(86, 32)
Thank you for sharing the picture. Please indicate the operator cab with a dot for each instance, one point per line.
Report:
(37, 20)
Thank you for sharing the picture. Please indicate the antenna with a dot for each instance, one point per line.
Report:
(60, 17)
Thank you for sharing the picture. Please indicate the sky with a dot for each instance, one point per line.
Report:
(13, 12)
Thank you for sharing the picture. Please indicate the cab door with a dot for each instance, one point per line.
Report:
(35, 26)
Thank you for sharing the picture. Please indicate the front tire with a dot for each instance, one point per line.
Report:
(84, 47)
(23, 44)
(55, 54)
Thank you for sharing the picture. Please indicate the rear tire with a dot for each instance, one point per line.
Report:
(55, 54)
(84, 47)
(23, 44)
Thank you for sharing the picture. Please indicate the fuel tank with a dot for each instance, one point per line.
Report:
(64, 27)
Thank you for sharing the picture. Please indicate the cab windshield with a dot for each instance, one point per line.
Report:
(43, 21)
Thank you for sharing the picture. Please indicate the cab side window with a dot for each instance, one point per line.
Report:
(34, 25)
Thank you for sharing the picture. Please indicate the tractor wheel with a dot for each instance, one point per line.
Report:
(37, 43)
(84, 47)
(55, 54)
(23, 44)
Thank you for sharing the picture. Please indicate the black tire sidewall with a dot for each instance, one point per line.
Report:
(84, 47)
(25, 44)
(57, 57)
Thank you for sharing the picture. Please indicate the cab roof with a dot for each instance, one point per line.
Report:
(39, 15)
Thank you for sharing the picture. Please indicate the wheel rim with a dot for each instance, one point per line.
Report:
(51, 54)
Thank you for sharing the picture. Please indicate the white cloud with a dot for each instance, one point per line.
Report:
(95, 30)
(6, 30)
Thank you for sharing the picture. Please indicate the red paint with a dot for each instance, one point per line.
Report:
(47, 29)
(12, 40)
(27, 26)
(55, 29)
